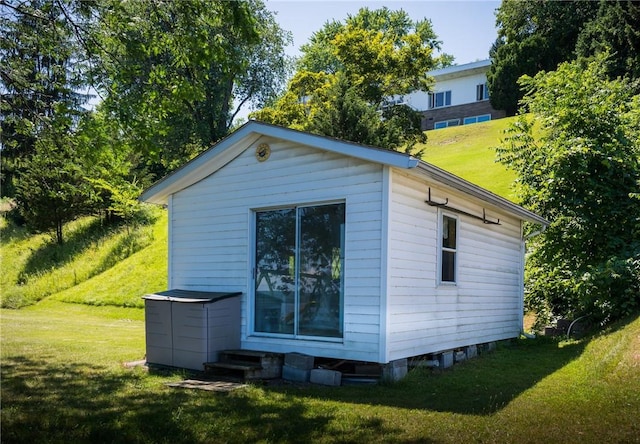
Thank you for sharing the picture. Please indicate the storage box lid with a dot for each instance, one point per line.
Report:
(190, 297)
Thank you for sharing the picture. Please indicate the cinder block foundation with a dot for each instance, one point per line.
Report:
(295, 374)
(472, 351)
(299, 361)
(325, 377)
(446, 359)
(395, 370)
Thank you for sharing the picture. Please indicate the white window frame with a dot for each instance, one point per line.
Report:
(482, 92)
(446, 99)
(442, 248)
(476, 119)
(251, 300)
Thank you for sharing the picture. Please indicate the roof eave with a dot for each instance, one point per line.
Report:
(469, 188)
(219, 155)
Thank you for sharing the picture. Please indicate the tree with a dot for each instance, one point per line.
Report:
(42, 75)
(53, 189)
(577, 157)
(533, 36)
(615, 30)
(354, 68)
(176, 69)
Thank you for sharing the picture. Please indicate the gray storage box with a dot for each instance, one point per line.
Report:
(188, 328)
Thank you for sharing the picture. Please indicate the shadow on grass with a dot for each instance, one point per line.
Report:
(45, 402)
(52, 255)
(481, 386)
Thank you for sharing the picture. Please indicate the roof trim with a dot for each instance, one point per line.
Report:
(233, 145)
(456, 71)
(478, 192)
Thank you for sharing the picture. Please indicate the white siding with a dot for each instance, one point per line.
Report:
(484, 304)
(463, 91)
(211, 235)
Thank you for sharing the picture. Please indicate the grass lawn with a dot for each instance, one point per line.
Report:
(468, 151)
(63, 381)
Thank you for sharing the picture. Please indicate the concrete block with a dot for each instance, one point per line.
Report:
(299, 361)
(325, 377)
(446, 359)
(295, 374)
(460, 356)
(472, 351)
(395, 370)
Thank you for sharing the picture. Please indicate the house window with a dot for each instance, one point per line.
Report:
(482, 92)
(449, 248)
(476, 119)
(446, 123)
(439, 99)
(299, 271)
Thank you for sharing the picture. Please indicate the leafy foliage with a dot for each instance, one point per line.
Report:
(615, 30)
(42, 75)
(347, 73)
(581, 174)
(532, 36)
(174, 71)
(52, 190)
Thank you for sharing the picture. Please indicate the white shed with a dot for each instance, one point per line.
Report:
(342, 250)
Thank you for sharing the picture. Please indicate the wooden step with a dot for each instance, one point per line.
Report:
(248, 364)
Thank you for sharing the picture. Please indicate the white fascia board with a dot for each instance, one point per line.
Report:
(351, 149)
(456, 71)
(458, 183)
(226, 150)
(200, 167)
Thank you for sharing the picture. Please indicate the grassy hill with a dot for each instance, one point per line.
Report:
(469, 152)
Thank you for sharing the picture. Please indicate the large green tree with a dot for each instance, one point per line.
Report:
(577, 156)
(616, 30)
(42, 76)
(355, 68)
(177, 72)
(533, 36)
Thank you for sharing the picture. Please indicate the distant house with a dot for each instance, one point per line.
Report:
(460, 97)
(333, 249)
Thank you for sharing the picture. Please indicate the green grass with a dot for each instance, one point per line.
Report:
(468, 151)
(33, 267)
(123, 285)
(63, 381)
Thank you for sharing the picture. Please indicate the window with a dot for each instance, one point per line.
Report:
(482, 92)
(477, 119)
(439, 99)
(446, 123)
(299, 271)
(449, 245)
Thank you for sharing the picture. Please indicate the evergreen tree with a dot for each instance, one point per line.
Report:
(42, 73)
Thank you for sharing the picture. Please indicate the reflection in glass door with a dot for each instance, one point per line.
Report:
(300, 271)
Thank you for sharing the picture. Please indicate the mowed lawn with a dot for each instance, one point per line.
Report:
(468, 151)
(63, 380)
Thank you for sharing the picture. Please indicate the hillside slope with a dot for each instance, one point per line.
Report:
(469, 152)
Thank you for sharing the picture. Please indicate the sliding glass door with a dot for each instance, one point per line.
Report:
(299, 276)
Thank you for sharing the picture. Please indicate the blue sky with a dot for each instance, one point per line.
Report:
(465, 27)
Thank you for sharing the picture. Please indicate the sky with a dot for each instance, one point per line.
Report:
(466, 28)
